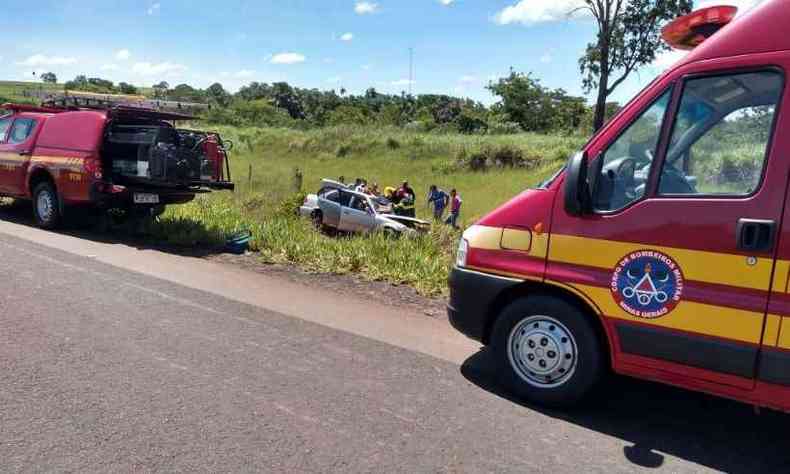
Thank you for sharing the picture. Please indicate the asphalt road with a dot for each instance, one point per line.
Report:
(103, 369)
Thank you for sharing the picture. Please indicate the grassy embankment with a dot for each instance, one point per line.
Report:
(265, 200)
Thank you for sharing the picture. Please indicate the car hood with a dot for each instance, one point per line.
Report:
(405, 220)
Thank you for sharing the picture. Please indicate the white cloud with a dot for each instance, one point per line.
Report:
(467, 79)
(160, 69)
(154, 9)
(109, 67)
(288, 58)
(346, 37)
(546, 58)
(363, 8)
(446, 3)
(528, 12)
(402, 82)
(43, 60)
(244, 74)
(365, 67)
(123, 55)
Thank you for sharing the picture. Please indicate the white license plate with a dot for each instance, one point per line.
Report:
(145, 198)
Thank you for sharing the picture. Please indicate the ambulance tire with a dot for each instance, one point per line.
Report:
(47, 209)
(588, 353)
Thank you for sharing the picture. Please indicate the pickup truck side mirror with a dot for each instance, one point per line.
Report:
(578, 198)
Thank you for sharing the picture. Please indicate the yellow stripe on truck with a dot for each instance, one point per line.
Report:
(484, 237)
(508, 238)
(516, 239)
(773, 323)
(710, 267)
(719, 321)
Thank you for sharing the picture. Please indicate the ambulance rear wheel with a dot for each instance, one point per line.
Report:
(547, 351)
(46, 206)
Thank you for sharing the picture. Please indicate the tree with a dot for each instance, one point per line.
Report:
(285, 98)
(160, 90)
(79, 83)
(49, 77)
(628, 37)
(125, 88)
(217, 94)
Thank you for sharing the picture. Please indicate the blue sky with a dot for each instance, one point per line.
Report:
(459, 45)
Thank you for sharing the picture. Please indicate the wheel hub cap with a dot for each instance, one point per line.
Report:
(542, 351)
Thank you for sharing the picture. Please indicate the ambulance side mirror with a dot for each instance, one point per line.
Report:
(578, 198)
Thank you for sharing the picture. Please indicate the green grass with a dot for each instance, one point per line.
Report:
(265, 204)
(18, 91)
(15, 91)
(388, 156)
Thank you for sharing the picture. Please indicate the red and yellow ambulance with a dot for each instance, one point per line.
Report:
(662, 249)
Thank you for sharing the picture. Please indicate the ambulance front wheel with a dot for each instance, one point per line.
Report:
(547, 351)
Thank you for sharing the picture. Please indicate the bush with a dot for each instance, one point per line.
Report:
(496, 156)
(392, 143)
(504, 128)
(343, 151)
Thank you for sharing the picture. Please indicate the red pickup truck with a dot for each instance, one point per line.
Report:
(121, 157)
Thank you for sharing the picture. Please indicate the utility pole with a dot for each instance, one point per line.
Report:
(411, 69)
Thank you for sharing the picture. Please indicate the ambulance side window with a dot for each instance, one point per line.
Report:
(5, 124)
(626, 162)
(721, 134)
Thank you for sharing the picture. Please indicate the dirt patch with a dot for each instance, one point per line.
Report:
(400, 296)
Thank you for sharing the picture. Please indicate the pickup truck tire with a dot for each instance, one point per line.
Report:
(47, 209)
(547, 351)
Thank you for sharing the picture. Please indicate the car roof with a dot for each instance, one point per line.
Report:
(328, 183)
(761, 30)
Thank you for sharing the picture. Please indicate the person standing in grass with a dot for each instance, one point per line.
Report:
(439, 199)
(455, 209)
(406, 190)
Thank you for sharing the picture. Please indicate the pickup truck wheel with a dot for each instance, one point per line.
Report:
(547, 351)
(46, 206)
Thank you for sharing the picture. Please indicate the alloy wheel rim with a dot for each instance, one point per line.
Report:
(542, 351)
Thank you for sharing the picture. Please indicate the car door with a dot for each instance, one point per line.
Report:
(8, 159)
(329, 202)
(679, 253)
(18, 148)
(357, 216)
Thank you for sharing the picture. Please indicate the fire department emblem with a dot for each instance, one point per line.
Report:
(647, 284)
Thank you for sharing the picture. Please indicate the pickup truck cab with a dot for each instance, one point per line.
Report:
(122, 157)
(662, 249)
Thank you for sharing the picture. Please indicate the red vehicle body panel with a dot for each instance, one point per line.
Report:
(735, 302)
(66, 147)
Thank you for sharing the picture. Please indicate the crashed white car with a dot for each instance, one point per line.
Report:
(337, 207)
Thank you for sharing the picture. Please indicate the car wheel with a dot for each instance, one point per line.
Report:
(547, 351)
(46, 206)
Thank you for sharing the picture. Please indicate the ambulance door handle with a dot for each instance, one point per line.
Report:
(756, 235)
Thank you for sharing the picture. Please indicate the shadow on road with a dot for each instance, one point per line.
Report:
(85, 226)
(657, 419)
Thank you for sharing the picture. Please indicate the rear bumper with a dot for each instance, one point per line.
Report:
(472, 300)
(101, 197)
